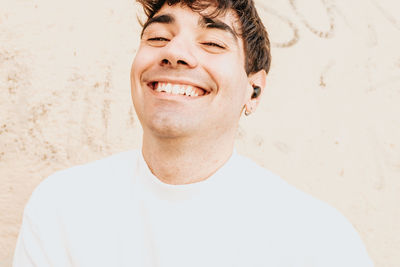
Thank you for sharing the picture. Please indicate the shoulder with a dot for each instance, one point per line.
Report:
(74, 184)
(271, 192)
(268, 185)
(96, 171)
(309, 224)
(261, 182)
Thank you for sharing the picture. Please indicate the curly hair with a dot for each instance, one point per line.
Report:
(252, 30)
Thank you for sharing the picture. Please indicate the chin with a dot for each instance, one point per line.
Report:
(166, 127)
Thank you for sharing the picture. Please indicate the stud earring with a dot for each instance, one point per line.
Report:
(256, 92)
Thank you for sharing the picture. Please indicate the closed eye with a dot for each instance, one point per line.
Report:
(162, 39)
(213, 45)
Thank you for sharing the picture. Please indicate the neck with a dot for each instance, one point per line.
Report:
(186, 160)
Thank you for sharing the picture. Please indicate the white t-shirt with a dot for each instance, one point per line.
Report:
(115, 212)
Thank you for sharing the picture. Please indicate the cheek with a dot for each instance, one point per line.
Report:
(229, 65)
(231, 77)
(141, 62)
(225, 66)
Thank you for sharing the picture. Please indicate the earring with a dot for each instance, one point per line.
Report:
(256, 92)
(247, 112)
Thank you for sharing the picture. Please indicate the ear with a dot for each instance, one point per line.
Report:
(257, 79)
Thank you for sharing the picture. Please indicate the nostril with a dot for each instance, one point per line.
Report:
(166, 62)
(182, 62)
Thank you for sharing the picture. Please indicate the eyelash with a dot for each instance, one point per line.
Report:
(213, 44)
(162, 39)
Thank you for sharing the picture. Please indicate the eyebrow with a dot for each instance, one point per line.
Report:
(204, 21)
(210, 23)
(163, 19)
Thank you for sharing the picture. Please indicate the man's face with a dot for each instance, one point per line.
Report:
(188, 76)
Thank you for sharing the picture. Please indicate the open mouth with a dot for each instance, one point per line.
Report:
(178, 89)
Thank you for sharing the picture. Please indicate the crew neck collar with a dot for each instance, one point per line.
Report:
(182, 191)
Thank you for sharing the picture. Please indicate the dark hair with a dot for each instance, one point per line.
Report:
(252, 31)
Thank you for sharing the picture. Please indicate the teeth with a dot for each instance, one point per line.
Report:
(182, 90)
(159, 87)
(188, 90)
(176, 89)
(168, 88)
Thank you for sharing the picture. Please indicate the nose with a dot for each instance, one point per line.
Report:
(178, 53)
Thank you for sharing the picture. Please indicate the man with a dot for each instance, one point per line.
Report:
(186, 198)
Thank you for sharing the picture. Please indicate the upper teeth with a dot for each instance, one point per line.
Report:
(176, 89)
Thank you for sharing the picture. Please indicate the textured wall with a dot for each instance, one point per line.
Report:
(329, 122)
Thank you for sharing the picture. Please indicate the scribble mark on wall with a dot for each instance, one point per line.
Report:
(387, 15)
(293, 39)
(320, 33)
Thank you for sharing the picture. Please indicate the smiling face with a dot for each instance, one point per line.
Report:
(188, 77)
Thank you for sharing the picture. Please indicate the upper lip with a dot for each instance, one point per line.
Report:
(183, 81)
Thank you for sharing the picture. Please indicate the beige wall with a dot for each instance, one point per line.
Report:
(329, 122)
